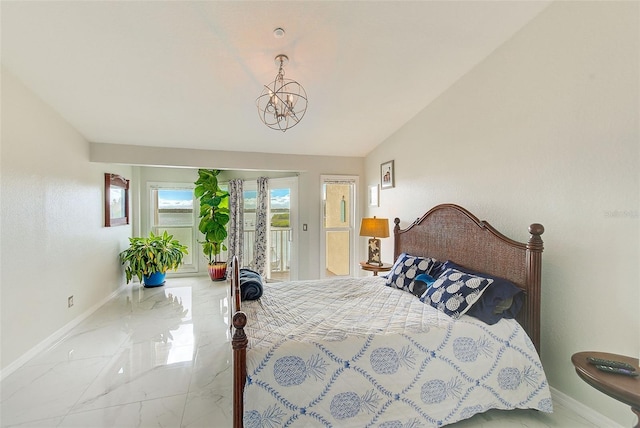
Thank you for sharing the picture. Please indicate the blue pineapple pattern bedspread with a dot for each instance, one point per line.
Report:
(354, 353)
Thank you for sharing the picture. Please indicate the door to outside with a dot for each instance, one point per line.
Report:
(282, 235)
(338, 218)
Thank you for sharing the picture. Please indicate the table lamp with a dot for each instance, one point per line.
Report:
(376, 228)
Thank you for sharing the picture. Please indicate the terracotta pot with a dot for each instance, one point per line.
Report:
(218, 271)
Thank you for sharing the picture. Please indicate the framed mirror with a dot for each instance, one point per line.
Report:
(116, 200)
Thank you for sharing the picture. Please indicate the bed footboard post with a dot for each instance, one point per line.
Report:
(239, 345)
(534, 280)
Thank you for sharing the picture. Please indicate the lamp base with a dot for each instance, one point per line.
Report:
(374, 252)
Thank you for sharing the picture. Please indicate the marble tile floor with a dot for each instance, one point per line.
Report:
(159, 357)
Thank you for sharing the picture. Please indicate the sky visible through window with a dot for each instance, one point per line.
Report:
(175, 199)
(280, 199)
(183, 199)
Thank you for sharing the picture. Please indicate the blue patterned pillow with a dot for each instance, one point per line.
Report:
(502, 300)
(454, 292)
(406, 268)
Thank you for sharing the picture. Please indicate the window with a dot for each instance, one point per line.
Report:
(172, 210)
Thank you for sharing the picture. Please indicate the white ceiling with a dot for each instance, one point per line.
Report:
(187, 73)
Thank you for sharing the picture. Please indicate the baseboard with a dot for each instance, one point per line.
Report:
(56, 336)
(597, 419)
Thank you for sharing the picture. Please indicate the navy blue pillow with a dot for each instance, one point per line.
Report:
(494, 302)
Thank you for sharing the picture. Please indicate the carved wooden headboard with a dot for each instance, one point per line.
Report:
(450, 232)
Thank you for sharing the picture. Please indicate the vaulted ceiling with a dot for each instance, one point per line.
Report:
(187, 73)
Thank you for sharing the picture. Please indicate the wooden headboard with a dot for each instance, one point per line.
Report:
(450, 232)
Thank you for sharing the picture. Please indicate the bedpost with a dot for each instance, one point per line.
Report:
(235, 285)
(396, 241)
(534, 280)
(239, 343)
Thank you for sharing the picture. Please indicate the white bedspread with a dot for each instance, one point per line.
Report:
(355, 353)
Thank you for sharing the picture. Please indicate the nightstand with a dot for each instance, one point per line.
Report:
(386, 267)
(623, 388)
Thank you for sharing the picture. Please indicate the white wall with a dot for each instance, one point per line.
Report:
(53, 243)
(545, 130)
(52, 206)
(243, 165)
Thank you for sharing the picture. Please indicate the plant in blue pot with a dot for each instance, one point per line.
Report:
(150, 258)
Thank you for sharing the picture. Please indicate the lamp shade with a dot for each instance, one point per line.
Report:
(376, 227)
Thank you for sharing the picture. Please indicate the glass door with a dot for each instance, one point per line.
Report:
(282, 234)
(338, 218)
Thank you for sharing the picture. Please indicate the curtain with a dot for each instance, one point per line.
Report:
(260, 242)
(235, 236)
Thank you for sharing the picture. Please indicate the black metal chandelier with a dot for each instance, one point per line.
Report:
(283, 102)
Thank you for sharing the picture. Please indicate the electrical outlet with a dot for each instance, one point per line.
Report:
(70, 301)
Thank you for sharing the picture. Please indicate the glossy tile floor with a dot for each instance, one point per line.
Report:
(159, 357)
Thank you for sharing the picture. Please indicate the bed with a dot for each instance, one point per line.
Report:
(363, 352)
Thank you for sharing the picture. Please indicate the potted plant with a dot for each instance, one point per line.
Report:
(214, 216)
(150, 258)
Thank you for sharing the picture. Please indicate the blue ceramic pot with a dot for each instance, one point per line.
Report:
(154, 280)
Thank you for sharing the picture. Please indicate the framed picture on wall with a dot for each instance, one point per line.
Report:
(374, 201)
(116, 200)
(387, 180)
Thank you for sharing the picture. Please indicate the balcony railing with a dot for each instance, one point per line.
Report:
(279, 251)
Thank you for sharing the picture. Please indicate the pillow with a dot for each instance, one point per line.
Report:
(502, 300)
(455, 292)
(406, 268)
(420, 285)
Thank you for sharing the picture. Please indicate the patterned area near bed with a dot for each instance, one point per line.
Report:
(354, 352)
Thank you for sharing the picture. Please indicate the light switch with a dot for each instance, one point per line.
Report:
(304, 227)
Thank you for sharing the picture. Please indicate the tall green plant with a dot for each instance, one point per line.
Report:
(157, 253)
(214, 213)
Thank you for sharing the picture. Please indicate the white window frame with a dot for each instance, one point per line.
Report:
(196, 254)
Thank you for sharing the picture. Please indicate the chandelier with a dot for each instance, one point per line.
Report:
(283, 102)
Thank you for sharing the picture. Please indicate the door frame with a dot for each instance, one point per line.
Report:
(353, 215)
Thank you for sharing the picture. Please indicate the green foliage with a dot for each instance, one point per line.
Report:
(157, 253)
(280, 220)
(214, 213)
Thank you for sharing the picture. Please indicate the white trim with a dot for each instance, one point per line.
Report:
(56, 336)
(597, 419)
(194, 267)
(354, 214)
